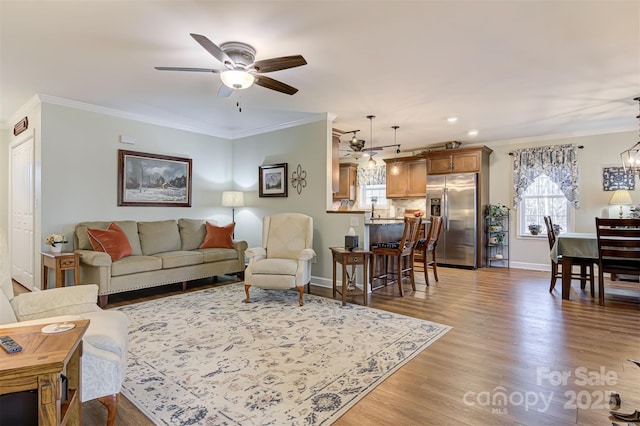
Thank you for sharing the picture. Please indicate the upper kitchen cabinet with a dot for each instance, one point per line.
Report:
(347, 182)
(411, 179)
(459, 160)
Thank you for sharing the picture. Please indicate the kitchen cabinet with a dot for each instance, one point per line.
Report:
(460, 160)
(411, 179)
(347, 182)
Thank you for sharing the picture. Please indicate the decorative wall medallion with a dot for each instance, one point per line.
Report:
(614, 178)
(299, 179)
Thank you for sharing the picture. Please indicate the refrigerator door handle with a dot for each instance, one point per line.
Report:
(445, 208)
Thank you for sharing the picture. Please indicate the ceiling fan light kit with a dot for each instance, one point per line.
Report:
(242, 70)
(237, 79)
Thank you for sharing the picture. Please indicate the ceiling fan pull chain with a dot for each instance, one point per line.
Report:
(239, 103)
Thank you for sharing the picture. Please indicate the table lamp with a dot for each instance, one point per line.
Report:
(233, 199)
(621, 197)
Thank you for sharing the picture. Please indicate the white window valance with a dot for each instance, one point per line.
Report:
(559, 162)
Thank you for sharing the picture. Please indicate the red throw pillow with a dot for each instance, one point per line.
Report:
(112, 240)
(218, 236)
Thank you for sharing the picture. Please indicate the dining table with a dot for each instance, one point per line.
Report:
(570, 246)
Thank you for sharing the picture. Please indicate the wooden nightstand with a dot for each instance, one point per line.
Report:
(353, 257)
(41, 363)
(60, 262)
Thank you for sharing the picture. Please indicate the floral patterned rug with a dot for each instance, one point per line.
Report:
(208, 358)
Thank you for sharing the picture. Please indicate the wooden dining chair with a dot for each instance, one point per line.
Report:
(556, 272)
(427, 248)
(618, 249)
(396, 257)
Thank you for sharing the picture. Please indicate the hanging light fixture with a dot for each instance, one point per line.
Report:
(371, 162)
(395, 169)
(631, 157)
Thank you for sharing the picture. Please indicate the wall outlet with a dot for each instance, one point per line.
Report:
(355, 221)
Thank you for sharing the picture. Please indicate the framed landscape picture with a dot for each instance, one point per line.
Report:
(273, 180)
(153, 180)
(614, 178)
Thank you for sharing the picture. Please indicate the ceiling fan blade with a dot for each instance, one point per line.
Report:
(272, 84)
(276, 64)
(224, 91)
(215, 51)
(186, 69)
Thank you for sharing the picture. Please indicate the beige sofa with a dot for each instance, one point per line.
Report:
(163, 252)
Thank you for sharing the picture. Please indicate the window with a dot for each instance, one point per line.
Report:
(368, 192)
(543, 198)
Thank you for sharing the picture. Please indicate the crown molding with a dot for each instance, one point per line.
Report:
(70, 103)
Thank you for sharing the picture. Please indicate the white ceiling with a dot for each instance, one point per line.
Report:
(510, 69)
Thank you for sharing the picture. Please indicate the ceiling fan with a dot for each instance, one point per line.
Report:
(357, 147)
(242, 70)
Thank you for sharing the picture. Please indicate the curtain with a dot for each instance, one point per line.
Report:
(559, 162)
(372, 176)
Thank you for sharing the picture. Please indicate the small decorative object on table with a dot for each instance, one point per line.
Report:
(55, 241)
(534, 228)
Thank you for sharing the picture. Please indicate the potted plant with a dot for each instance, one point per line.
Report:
(55, 241)
(556, 229)
(534, 228)
(497, 211)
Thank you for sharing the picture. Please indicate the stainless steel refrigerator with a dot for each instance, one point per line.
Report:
(453, 196)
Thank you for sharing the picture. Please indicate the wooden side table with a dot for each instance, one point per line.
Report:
(60, 262)
(40, 364)
(353, 257)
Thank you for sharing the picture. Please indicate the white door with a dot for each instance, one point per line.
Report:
(21, 218)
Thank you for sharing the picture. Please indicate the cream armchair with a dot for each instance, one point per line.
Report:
(104, 344)
(284, 260)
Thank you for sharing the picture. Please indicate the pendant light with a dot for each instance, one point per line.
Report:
(371, 162)
(395, 170)
(631, 157)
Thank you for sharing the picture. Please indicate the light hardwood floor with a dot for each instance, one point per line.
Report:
(510, 337)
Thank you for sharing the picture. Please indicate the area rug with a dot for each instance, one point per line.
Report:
(208, 358)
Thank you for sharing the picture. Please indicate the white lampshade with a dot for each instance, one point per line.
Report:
(232, 199)
(621, 196)
(237, 79)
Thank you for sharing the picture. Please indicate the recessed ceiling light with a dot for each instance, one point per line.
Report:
(472, 133)
(452, 119)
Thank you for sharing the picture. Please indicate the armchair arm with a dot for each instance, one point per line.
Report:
(94, 258)
(58, 301)
(256, 253)
(306, 254)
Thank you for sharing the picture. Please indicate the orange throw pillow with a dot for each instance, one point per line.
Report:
(112, 241)
(218, 236)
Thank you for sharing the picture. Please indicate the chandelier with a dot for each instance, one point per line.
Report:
(631, 157)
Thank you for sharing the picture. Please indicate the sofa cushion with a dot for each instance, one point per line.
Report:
(134, 264)
(130, 227)
(275, 267)
(159, 236)
(218, 236)
(56, 301)
(112, 240)
(176, 259)
(218, 254)
(192, 233)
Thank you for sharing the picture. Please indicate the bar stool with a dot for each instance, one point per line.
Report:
(428, 248)
(399, 254)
